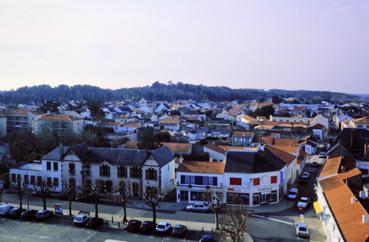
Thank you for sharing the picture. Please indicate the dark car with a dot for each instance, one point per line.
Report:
(94, 223)
(28, 214)
(208, 238)
(15, 212)
(134, 226)
(179, 231)
(42, 215)
(148, 227)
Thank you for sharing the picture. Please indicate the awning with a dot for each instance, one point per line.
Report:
(317, 208)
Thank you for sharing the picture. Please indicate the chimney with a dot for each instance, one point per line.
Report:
(342, 168)
(365, 150)
(365, 219)
(353, 199)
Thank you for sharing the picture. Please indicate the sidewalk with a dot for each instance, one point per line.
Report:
(284, 204)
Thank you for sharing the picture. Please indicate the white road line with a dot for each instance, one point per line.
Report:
(271, 219)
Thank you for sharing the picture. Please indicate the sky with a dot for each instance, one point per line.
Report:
(287, 44)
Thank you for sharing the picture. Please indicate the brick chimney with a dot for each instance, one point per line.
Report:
(365, 150)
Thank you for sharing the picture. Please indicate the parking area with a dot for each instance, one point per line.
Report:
(57, 229)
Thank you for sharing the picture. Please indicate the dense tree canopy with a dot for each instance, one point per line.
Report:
(160, 91)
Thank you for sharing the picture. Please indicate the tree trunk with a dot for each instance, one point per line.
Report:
(96, 209)
(216, 213)
(125, 220)
(154, 214)
(20, 200)
(44, 201)
(70, 204)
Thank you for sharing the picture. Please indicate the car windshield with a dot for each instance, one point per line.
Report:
(303, 229)
(161, 226)
(178, 227)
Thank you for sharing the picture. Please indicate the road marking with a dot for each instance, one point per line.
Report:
(271, 219)
(90, 236)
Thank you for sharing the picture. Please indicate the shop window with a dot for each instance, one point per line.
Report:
(273, 179)
(183, 196)
(256, 181)
(235, 181)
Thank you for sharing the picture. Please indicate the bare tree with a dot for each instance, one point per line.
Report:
(152, 199)
(20, 192)
(70, 188)
(124, 197)
(43, 189)
(215, 201)
(95, 195)
(234, 223)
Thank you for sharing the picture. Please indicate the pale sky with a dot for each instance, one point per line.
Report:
(304, 44)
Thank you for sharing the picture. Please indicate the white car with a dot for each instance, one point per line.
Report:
(198, 207)
(163, 228)
(293, 193)
(302, 230)
(5, 209)
(81, 219)
(305, 175)
(303, 203)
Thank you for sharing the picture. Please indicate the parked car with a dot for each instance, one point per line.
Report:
(134, 226)
(163, 228)
(305, 175)
(293, 193)
(208, 238)
(179, 231)
(198, 207)
(147, 227)
(303, 203)
(94, 223)
(28, 214)
(5, 209)
(302, 230)
(15, 212)
(315, 164)
(42, 215)
(81, 219)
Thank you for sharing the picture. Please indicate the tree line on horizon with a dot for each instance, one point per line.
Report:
(163, 92)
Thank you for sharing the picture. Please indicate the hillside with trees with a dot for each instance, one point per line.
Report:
(161, 91)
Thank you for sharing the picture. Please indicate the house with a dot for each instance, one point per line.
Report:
(56, 124)
(162, 107)
(19, 119)
(195, 179)
(242, 138)
(360, 123)
(255, 178)
(170, 123)
(318, 130)
(244, 120)
(86, 167)
(341, 204)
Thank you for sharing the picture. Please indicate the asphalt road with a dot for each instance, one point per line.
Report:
(53, 230)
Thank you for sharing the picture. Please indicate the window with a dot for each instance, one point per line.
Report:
(183, 196)
(48, 180)
(199, 180)
(56, 182)
(48, 165)
(122, 171)
(105, 170)
(256, 181)
(151, 174)
(136, 172)
(72, 169)
(235, 181)
(14, 179)
(33, 180)
(39, 180)
(55, 166)
(273, 179)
